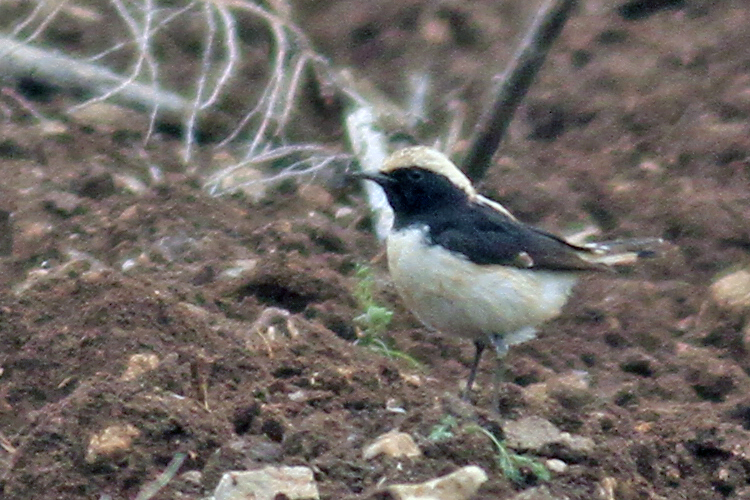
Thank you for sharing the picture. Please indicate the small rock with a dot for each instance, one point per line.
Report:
(269, 483)
(108, 117)
(543, 437)
(111, 442)
(412, 379)
(732, 292)
(138, 364)
(298, 396)
(240, 268)
(63, 203)
(130, 214)
(194, 477)
(556, 465)
(651, 167)
(459, 485)
(394, 444)
(572, 390)
(345, 214)
(53, 128)
(130, 183)
(605, 490)
(394, 405)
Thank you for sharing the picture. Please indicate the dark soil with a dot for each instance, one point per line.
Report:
(638, 124)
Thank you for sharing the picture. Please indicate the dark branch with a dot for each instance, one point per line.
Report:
(514, 84)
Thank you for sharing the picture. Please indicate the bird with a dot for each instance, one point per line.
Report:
(466, 267)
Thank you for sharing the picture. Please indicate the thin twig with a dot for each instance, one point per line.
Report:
(233, 54)
(202, 81)
(141, 33)
(514, 84)
(157, 27)
(419, 90)
(291, 54)
(68, 72)
(316, 158)
(49, 17)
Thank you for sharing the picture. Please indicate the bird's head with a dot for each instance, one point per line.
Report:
(420, 179)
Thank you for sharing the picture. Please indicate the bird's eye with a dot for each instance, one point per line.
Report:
(414, 175)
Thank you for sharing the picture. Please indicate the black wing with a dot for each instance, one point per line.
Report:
(486, 236)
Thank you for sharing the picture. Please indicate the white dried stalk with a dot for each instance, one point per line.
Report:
(18, 60)
(370, 146)
(266, 119)
(315, 157)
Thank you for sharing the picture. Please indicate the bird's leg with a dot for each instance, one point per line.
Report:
(501, 349)
(480, 345)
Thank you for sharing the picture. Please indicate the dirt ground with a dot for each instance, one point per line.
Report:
(243, 313)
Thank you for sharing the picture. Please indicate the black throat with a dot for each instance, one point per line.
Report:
(421, 197)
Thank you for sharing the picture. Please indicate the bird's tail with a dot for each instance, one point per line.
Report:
(625, 252)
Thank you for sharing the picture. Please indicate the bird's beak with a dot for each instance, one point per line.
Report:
(380, 178)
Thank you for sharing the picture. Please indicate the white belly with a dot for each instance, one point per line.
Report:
(457, 297)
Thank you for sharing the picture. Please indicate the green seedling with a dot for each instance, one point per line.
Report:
(443, 430)
(374, 321)
(511, 463)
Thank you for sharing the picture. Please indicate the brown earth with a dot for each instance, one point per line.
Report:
(638, 124)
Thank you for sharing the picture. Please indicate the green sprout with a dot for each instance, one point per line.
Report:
(443, 430)
(375, 319)
(511, 463)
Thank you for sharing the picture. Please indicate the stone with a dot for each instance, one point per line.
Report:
(571, 390)
(63, 203)
(194, 477)
(138, 364)
(130, 183)
(605, 490)
(112, 442)
(393, 444)
(556, 465)
(458, 485)
(541, 436)
(238, 269)
(269, 483)
(108, 117)
(732, 292)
